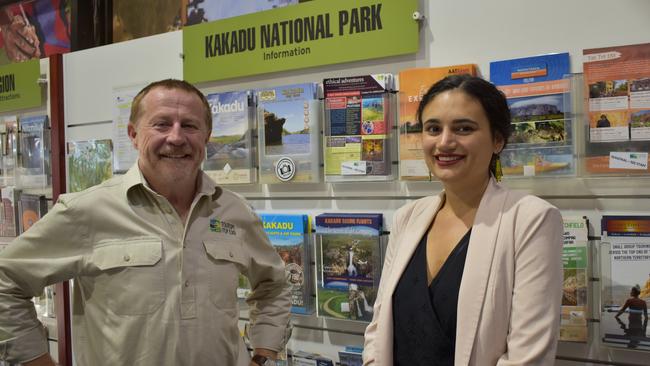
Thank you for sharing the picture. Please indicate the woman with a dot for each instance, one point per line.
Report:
(472, 276)
(636, 307)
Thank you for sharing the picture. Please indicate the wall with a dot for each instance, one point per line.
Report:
(462, 31)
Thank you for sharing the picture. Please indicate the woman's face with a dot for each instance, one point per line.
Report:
(456, 139)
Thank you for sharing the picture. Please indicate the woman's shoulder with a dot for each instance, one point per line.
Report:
(522, 201)
(417, 205)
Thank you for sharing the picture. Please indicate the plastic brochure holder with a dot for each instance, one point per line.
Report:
(89, 163)
(288, 132)
(9, 142)
(34, 157)
(575, 289)
(358, 128)
(290, 236)
(539, 94)
(230, 153)
(9, 223)
(624, 263)
(31, 207)
(617, 110)
(347, 265)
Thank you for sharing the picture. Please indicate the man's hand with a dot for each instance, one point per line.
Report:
(44, 360)
(264, 352)
(20, 40)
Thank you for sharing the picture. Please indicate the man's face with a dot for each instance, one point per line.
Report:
(170, 136)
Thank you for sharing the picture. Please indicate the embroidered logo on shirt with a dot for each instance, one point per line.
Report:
(217, 226)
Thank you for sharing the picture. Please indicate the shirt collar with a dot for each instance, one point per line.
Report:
(134, 178)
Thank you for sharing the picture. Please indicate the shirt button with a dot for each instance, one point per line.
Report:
(187, 283)
(230, 254)
(167, 209)
(127, 257)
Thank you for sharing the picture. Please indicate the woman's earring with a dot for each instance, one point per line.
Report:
(498, 173)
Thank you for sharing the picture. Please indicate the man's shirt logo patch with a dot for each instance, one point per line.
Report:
(217, 226)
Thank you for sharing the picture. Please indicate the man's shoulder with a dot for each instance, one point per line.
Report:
(110, 189)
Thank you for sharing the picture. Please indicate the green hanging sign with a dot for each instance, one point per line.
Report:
(19, 88)
(315, 33)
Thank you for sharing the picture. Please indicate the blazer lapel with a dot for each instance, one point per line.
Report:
(418, 223)
(478, 263)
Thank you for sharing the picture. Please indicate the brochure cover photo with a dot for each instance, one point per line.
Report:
(538, 92)
(289, 133)
(626, 295)
(617, 109)
(89, 163)
(229, 158)
(358, 124)
(348, 264)
(573, 326)
(290, 235)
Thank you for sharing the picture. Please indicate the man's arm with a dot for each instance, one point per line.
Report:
(51, 251)
(269, 301)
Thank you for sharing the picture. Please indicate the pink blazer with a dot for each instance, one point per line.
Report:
(510, 293)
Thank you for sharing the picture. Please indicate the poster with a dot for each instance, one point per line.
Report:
(201, 11)
(617, 109)
(573, 326)
(125, 155)
(142, 18)
(542, 140)
(34, 29)
(624, 320)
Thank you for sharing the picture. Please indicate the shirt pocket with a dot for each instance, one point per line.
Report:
(226, 261)
(131, 281)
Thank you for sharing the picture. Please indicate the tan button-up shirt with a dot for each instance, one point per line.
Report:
(149, 289)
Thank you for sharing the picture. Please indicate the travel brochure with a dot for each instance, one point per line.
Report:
(358, 125)
(31, 207)
(289, 133)
(348, 270)
(229, 157)
(289, 234)
(538, 92)
(34, 167)
(9, 134)
(617, 105)
(89, 163)
(573, 326)
(626, 293)
(125, 154)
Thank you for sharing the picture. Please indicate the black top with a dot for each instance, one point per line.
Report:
(424, 327)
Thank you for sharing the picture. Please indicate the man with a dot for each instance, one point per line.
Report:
(155, 255)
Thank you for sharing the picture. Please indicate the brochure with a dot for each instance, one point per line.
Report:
(538, 92)
(348, 264)
(617, 106)
(289, 133)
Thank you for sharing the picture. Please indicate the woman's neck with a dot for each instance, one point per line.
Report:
(463, 202)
